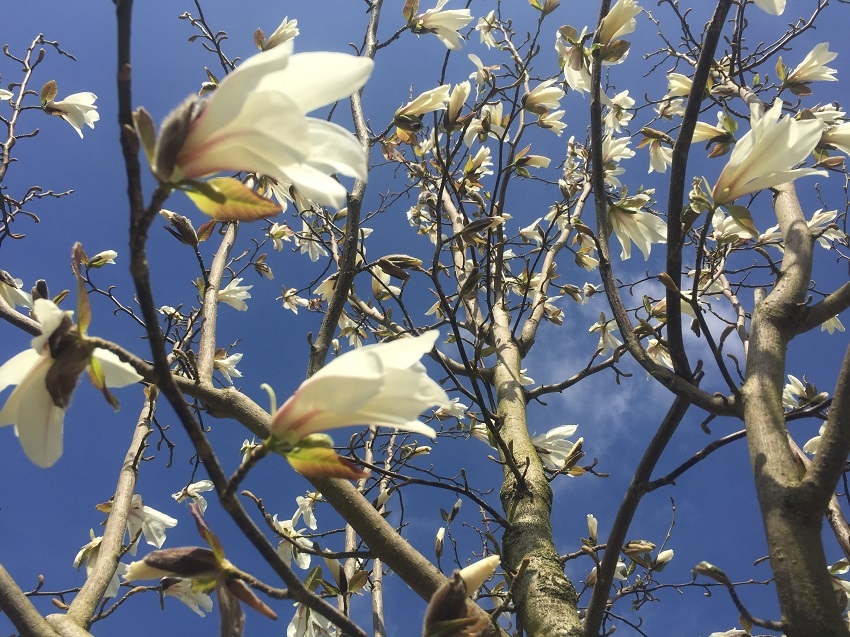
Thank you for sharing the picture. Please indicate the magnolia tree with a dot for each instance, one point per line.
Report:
(441, 237)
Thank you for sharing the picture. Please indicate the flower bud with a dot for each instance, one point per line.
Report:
(175, 130)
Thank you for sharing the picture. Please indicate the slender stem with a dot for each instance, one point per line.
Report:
(617, 537)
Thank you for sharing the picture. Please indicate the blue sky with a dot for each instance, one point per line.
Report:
(45, 515)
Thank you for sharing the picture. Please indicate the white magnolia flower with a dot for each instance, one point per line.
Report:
(619, 573)
(5, 95)
(607, 341)
(660, 156)
(150, 522)
(658, 352)
(704, 132)
(170, 312)
(592, 528)
(309, 244)
(193, 492)
(553, 446)
(77, 109)
(234, 295)
(821, 225)
(280, 232)
(306, 623)
(829, 325)
(88, 556)
(618, 113)
(256, 121)
(813, 67)
(483, 74)
(838, 136)
(642, 228)
(477, 573)
(678, 85)
(444, 24)
(524, 379)
(773, 7)
(11, 292)
(455, 409)
(102, 258)
(615, 149)
(291, 300)
(725, 229)
(668, 109)
(294, 549)
(305, 509)
(326, 288)
(543, 97)
(793, 392)
(434, 100)
(552, 121)
(37, 414)
(813, 444)
(227, 366)
(767, 154)
(287, 31)
(182, 589)
(620, 21)
(382, 385)
(485, 28)
(247, 447)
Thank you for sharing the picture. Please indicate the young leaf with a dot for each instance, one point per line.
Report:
(321, 462)
(226, 199)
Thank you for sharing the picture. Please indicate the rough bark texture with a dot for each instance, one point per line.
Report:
(545, 598)
(792, 511)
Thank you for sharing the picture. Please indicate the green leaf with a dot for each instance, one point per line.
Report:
(313, 579)
(98, 379)
(48, 92)
(742, 217)
(321, 462)
(411, 7)
(227, 199)
(358, 580)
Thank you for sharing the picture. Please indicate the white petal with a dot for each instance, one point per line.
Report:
(38, 422)
(116, 372)
(16, 368)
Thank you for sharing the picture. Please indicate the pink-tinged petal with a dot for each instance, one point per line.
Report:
(38, 422)
(16, 369)
(265, 133)
(117, 372)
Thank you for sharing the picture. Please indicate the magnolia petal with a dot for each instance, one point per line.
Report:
(316, 185)
(38, 422)
(321, 77)
(773, 7)
(243, 142)
(334, 150)
(16, 369)
(50, 317)
(117, 372)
